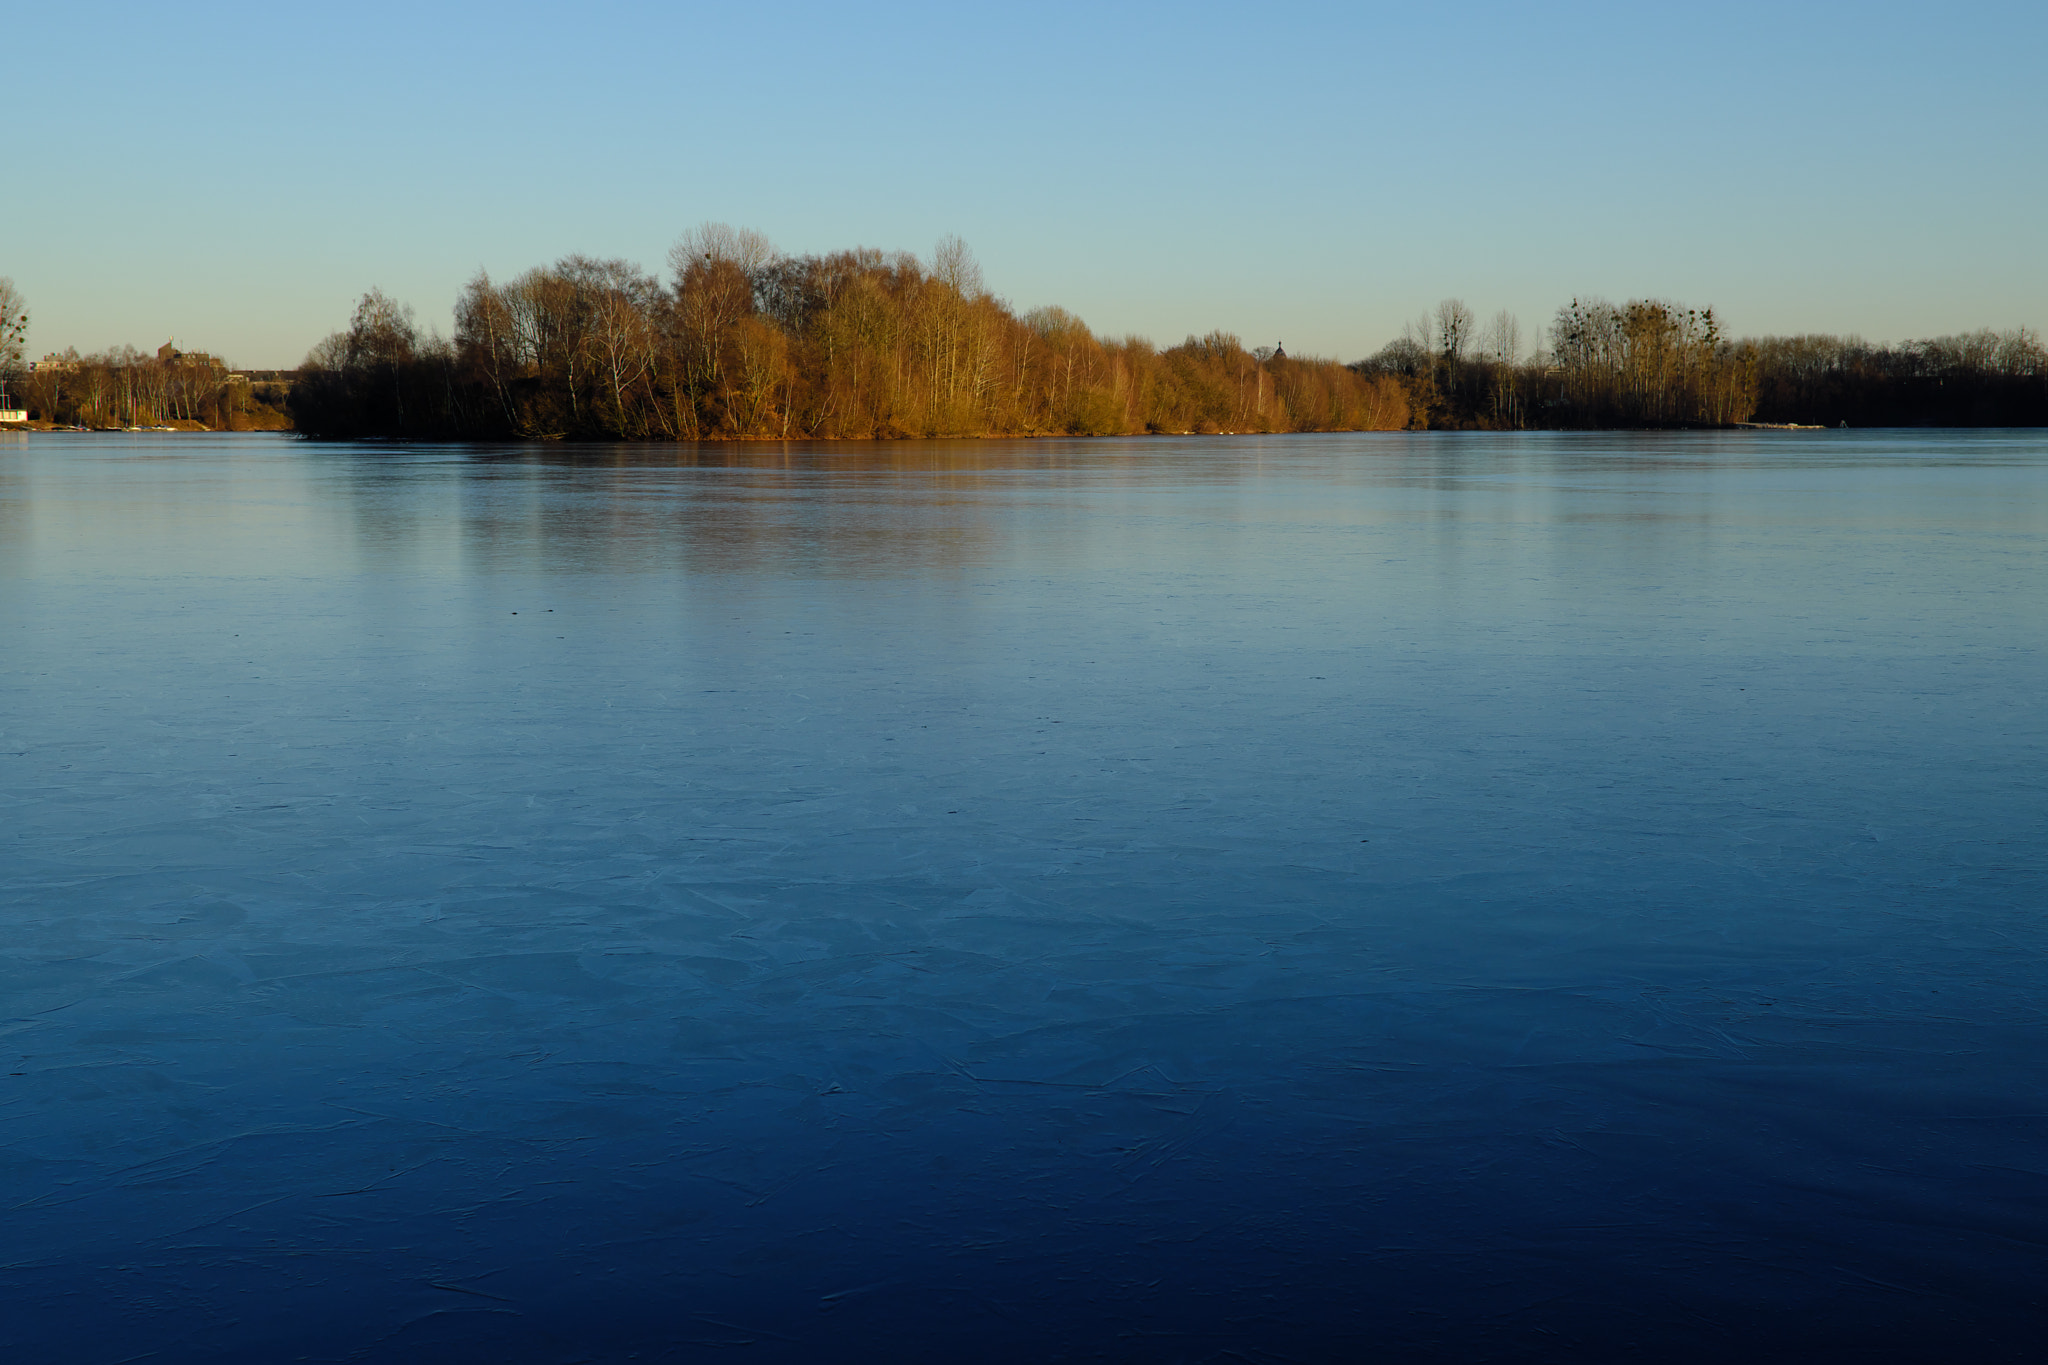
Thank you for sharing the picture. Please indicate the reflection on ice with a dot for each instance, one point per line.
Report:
(1427, 897)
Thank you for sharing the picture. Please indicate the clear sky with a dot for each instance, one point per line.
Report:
(237, 174)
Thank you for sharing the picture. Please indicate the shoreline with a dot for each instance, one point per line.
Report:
(195, 428)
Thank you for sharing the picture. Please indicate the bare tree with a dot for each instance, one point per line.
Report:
(13, 327)
(721, 243)
(954, 266)
(715, 266)
(485, 340)
(379, 346)
(1502, 347)
(1453, 329)
(950, 342)
(1420, 334)
(617, 301)
(382, 331)
(1503, 340)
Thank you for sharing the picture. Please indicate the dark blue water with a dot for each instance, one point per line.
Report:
(1410, 897)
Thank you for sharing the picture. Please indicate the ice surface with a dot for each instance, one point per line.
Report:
(1401, 897)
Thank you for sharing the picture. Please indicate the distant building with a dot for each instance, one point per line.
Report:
(52, 364)
(169, 354)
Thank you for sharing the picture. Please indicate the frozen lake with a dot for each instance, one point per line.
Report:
(1398, 897)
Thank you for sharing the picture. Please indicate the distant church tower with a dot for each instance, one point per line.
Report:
(1280, 351)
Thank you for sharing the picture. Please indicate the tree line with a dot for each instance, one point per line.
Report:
(125, 387)
(1653, 363)
(742, 341)
(1982, 378)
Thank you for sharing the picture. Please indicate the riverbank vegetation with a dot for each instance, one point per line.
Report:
(1646, 363)
(1650, 363)
(1978, 379)
(745, 343)
(742, 342)
(124, 387)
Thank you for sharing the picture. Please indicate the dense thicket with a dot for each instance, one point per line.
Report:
(743, 342)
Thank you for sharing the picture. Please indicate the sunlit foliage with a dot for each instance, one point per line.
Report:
(124, 387)
(740, 342)
(743, 342)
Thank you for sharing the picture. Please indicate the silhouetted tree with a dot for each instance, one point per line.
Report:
(13, 329)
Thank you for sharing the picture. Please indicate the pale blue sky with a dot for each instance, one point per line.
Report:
(237, 174)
